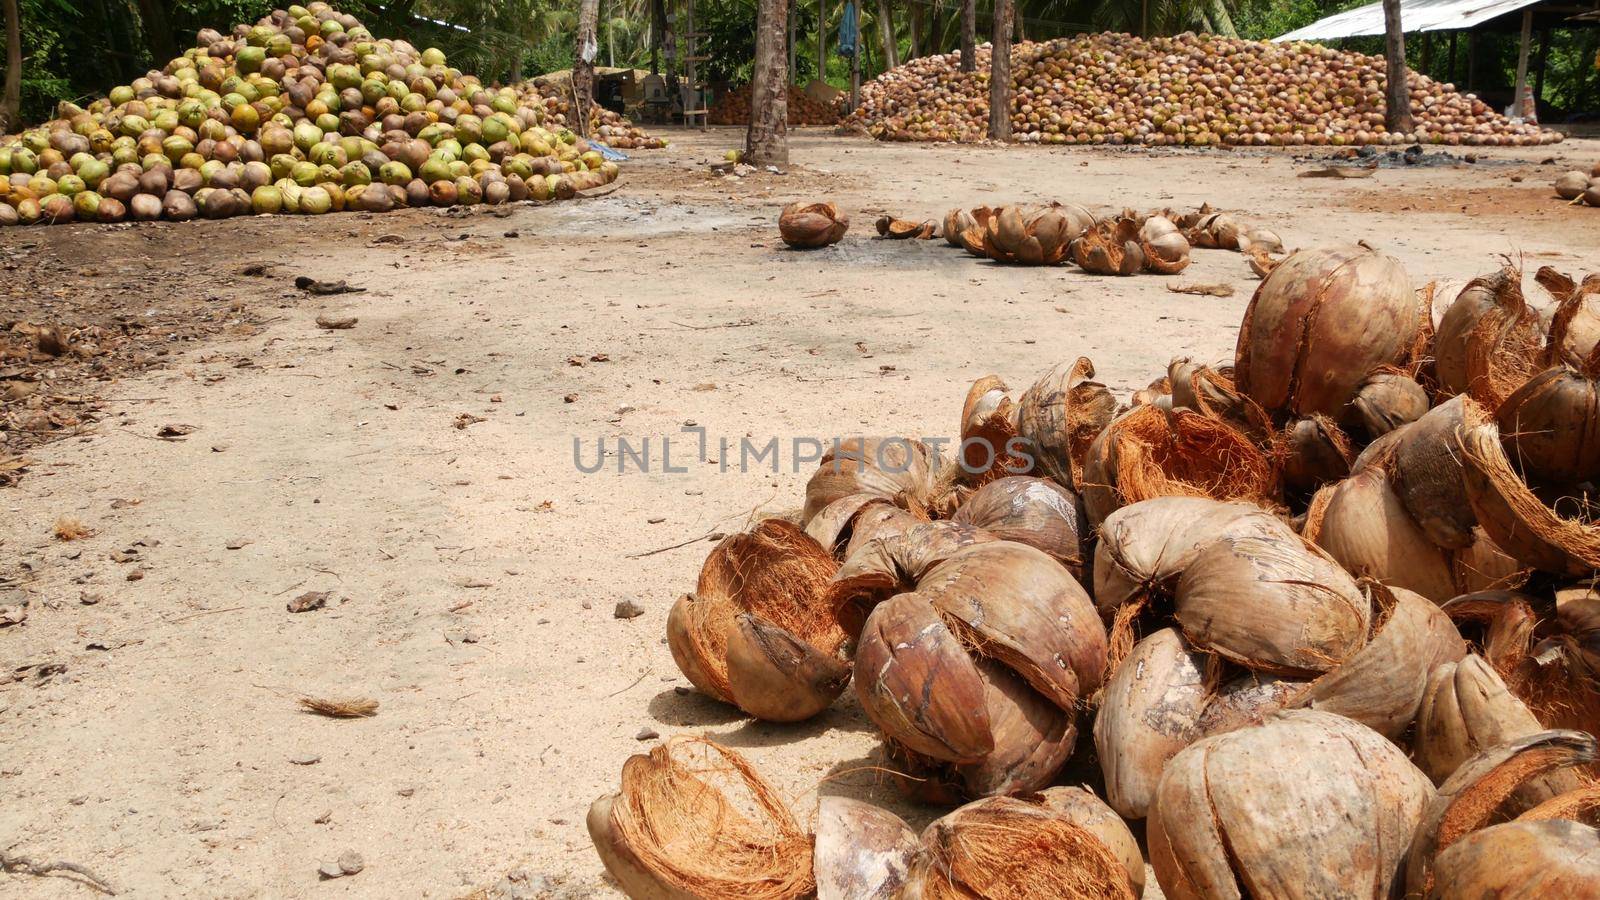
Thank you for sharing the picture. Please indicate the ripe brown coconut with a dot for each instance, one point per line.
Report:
(758, 632)
(1453, 854)
(1511, 514)
(1388, 399)
(807, 226)
(1063, 843)
(982, 666)
(693, 819)
(1033, 511)
(1311, 452)
(1151, 452)
(1512, 326)
(1319, 324)
(1060, 415)
(1425, 472)
(1110, 247)
(862, 852)
(1466, 706)
(904, 471)
(1546, 649)
(1307, 804)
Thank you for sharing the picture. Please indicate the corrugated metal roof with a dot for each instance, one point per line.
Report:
(1415, 15)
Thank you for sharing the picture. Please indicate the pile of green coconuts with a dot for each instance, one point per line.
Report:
(304, 112)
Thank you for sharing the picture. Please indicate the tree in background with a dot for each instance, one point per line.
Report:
(1397, 94)
(969, 35)
(11, 99)
(583, 67)
(1000, 73)
(767, 141)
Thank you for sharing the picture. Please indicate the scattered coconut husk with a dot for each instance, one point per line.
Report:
(69, 528)
(807, 226)
(693, 819)
(1220, 289)
(901, 229)
(342, 708)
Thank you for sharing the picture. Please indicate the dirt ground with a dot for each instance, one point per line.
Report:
(419, 468)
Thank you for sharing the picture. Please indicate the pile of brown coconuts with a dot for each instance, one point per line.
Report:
(1322, 620)
(606, 126)
(303, 112)
(733, 108)
(1196, 89)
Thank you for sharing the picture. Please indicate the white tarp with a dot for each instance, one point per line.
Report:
(1415, 15)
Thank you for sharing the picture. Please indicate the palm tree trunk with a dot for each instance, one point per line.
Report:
(11, 99)
(916, 30)
(1000, 73)
(891, 50)
(157, 32)
(767, 141)
(1221, 21)
(583, 67)
(969, 35)
(1397, 95)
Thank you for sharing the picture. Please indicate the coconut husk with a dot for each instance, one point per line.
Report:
(1059, 416)
(1033, 511)
(1388, 399)
(901, 470)
(903, 229)
(693, 819)
(1581, 805)
(1165, 249)
(1110, 247)
(1211, 393)
(1539, 655)
(1381, 685)
(807, 226)
(1319, 324)
(862, 851)
(1007, 848)
(988, 426)
(1467, 706)
(1150, 709)
(1149, 452)
(758, 631)
(1033, 738)
(1306, 799)
(1511, 514)
(973, 229)
(1245, 701)
(893, 563)
(1311, 452)
(957, 221)
(1261, 262)
(1575, 327)
(1521, 859)
(834, 525)
(1273, 604)
(1362, 524)
(1551, 424)
(1482, 788)
(1453, 341)
(1504, 348)
(1426, 475)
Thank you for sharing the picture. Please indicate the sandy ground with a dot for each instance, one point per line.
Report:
(152, 734)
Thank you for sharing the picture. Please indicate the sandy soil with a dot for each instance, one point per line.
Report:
(150, 729)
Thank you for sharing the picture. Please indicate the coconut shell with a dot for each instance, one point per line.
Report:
(1512, 516)
(893, 562)
(1033, 511)
(1272, 604)
(693, 819)
(1319, 324)
(900, 470)
(807, 226)
(1387, 400)
(1307, 804)
(1149, 452)
(1426, 475)
(1111, 247)
(1059, 416)
(1312, 452)
(757, 631)
(1522, 859)
(1466, 706)
(862, 852)
(1246, 701)
(1363, 525)
(1483, 787)
(1551, 426)
(1149, 710)
(1381, 685)
(1019, 847)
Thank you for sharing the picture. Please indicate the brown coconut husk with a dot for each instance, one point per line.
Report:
(1165, 249)
(1008, 848)
(1581, 805)
(1426, 475)
(893, 563)
(763, 594)
(810, 225)
(1311, 452)
(1060, 415)
(904, 471)
(1509, 511)
(1506, 346)
(1150, 452)
(1457, 338)
(1388, 399)
(1033, 511)
(694, 818)
(862, 851)
(903, 229)
(1483, 789)
(1110, 247)
(1361, 522)
(1539, 656)
(1551, 422)
(1211, 392)
(988, 425)
(1150, 709)
(1575, 327)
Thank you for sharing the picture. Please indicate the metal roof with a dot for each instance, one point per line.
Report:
(1415, 15)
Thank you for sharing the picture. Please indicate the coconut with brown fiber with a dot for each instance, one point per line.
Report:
(1033, 511)
(1311, 452)
(847, 523)
(1457, 852)
(1150, 452)
(1488, 341)
(957, 221)
(1388, 399)
(1045, 432)
(1037, 237)
(1551, 422)
(693, 820)
(1578, 304)
(807, 226)
(978, 670)
(1165, 249)
(1466, 706)
(1320, 324)
(1307, 804)
(1546, 649)
(1110, 247)
(1212, 393)
(757, 631)
(1510, 512)
(904, 471)
(904, 229)
(862, 852)
(988, 425)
